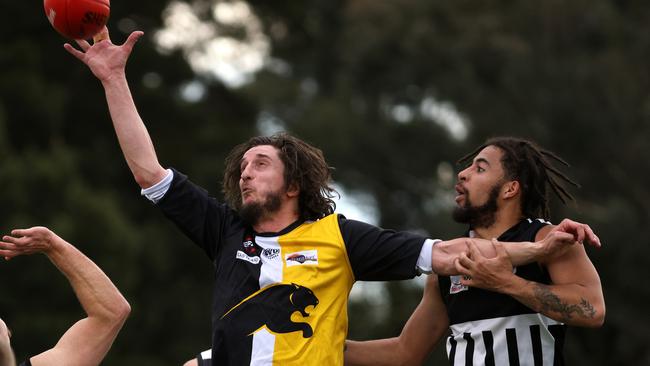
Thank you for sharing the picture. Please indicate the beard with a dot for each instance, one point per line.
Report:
(478, 216)
(253, 212)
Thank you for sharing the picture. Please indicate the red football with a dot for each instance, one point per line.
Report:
(77, 19)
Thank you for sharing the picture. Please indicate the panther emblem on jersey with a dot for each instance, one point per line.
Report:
(272, 307)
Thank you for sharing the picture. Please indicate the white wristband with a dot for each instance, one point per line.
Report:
(424, 264)
(158, 190)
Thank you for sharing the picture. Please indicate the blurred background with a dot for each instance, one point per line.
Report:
(393, 92)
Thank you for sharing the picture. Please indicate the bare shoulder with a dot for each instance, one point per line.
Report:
(541, 234)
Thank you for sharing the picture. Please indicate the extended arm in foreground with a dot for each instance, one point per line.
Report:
(89, 339)
(425, 327)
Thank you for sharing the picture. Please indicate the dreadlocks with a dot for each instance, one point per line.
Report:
(304, 166)
(532, 166)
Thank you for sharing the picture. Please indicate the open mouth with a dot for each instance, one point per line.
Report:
(460, 192)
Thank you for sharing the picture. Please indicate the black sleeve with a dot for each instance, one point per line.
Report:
(380, 255)
(199, 216)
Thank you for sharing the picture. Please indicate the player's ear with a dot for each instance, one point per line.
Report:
(293, 190)
(510, 189)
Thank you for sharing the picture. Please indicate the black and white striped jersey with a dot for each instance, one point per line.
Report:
(488, 328)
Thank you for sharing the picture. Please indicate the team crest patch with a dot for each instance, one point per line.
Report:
(250, 251)
(250, 248)
(456, 286)
(305, 257)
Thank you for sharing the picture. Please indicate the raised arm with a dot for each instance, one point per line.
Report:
(108, 63)
(89, 339)
(551, 242)
(425, 327)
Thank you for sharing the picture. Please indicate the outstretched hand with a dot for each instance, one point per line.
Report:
(580, 232)
(563, 236)
(104, 58)
(37, 239)
(492, 274)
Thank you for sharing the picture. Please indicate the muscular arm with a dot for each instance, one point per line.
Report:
(574, 297)
(108, 63)
(89, 339)
(425, 327)
(550, 242)
(446, 252)
(132, 134)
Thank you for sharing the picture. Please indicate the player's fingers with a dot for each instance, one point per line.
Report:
(467, 281)
(83, 44)
(102, 35)
(7, 254)
(564, 237)
(460, 268)
(591, 237)
(580, 233)
(570, 226)
(595, 241)
(474, 252)
(5, 245)
(465, 261)
(133, 37)
(10, 240)
(21, 232)
(74, 52)
(568, 223)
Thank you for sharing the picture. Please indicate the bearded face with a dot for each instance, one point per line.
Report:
(252, 212)
(261, 184)
(478, 216)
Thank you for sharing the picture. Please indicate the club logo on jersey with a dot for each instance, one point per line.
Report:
(250, 248)
(250, 251)
(456, 286)
(280, 302)
(270, 253)
(305, 257)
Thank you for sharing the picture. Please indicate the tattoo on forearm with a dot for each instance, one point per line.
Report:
(551, 302)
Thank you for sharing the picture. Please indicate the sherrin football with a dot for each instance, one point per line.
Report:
(77, 19)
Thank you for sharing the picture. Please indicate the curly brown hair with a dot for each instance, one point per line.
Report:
(304, 166)
(532, 166)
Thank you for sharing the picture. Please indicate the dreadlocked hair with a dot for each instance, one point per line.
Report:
(304, 166)
(533, 167)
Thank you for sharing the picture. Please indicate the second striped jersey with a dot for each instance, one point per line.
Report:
(488, 328)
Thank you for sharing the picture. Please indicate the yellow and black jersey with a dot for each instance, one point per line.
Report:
(281, 298)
